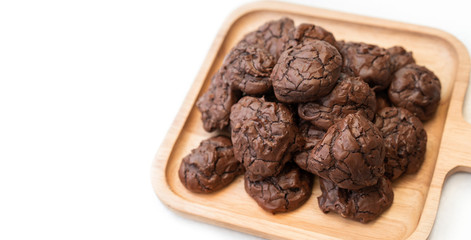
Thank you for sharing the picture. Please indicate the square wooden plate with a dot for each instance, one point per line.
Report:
(416, 196)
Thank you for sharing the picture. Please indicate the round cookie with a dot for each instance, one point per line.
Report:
(369, 62)
(284, 192)
(405, 141)
(274, 36)
(215, 104)
(416, 89)
(210, 167)
(263, 134)
(399, 57)
(306, 72)
(350, 95)
(307, 32)
(362, 205)
(249, 68)
(351, 154)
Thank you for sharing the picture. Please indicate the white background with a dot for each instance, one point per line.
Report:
(88, 90)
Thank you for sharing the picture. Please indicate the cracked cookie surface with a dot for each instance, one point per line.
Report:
(405, 141)
(210, 167)
(350, 95)
(307, 32)
(362, 205)
(416, 89)
(306, 72)
(351, 153)
(215, 104)
(275, 36)
(263, 134)
(367, 61)
(284, 192)
(249, 68)
(399, 57)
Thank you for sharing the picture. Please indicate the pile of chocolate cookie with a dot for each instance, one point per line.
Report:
(291, 102)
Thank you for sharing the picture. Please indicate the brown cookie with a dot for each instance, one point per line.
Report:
(307, 32)
(405, 141)
(369, 62)
(274, 36)
(349, 96)
(284, 192)
(263, 134)
(351, 153)
(210, 167)
(399, 57)
(340, 44)
(362, 205)
(215, 105)
(306, 72)
(416, 89)
(249, 68)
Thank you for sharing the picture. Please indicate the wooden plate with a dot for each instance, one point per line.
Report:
(416, 196)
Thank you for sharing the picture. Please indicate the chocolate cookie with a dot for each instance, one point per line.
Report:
(399, 57)
(351, 154)
(210, 167)
(249, 68)
(307, 32)
(369, 62)
(349, 96)
(274, 36)
(340, 44)
(405, 141)
(215, 105)
(306, 72)
(416, 89)
(362, 205)
(263, 134)
(281, 193)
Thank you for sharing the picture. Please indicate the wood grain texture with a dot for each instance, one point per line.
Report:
(416, 196)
